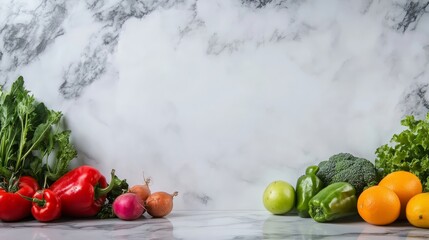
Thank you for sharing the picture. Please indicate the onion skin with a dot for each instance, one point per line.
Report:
(128, 206)
(160, 204)
(142, 190)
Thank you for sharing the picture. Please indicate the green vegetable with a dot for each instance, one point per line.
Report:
(307, 186)
(335, 201)
(121, 187)
(344, 167)
(279, 197)
(408, 151)
(30, 134)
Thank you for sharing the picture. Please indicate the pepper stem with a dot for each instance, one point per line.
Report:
(39, 202)
(104, 191)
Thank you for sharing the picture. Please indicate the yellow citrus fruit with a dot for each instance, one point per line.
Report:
(417, 210)
(378, 205)
(405, 185)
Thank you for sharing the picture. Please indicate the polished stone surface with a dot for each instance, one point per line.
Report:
(219, 225)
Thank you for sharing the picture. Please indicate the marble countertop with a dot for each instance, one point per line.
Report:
(208, 225)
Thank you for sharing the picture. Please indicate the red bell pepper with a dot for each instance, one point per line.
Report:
(82, 191)
(30, 181)
(46, 206)
(13, 205)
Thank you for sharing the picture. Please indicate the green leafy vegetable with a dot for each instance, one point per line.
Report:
(121, 187)
(408, 151)
(31, 139)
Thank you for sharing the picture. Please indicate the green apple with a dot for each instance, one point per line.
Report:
(279, 197)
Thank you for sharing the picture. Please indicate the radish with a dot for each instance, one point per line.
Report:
(128, 206)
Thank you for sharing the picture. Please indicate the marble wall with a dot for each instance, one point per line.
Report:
(217, 98)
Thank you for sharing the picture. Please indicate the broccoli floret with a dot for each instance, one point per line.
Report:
(328, 168)
(344, 167)
(340, 157)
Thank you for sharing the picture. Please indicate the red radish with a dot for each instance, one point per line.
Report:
(160, 204)
(128, 206)
(142, 190)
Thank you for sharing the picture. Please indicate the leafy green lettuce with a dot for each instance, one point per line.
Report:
(408, 151)
(31, 139)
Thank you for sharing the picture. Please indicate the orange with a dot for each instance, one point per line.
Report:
(418, 210)
(404, 184)
(378, 205)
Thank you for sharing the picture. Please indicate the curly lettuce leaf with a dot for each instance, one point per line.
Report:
(408, 151)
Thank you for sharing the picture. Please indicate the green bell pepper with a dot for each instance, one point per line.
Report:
(335, 201)
(307, 187)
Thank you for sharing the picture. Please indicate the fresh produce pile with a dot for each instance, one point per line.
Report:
(394, 188)
(36, 180)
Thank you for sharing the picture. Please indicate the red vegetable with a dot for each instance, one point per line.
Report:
(30, 181)
(160, 204)
(46, 206)
(142, 190)
(82, 191)
(13, 205)
(128, 206)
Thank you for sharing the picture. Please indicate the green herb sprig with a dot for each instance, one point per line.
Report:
(31, 139)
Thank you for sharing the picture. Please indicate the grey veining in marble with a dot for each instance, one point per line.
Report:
(219, 225)
(210, 96)
(28, 29)
(103, 43)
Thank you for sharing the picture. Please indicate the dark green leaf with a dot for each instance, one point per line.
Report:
(30, 133)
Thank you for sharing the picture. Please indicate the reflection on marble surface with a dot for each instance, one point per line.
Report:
(219, 225)
(206, 105)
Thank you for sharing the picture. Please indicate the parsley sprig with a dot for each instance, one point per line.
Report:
(31, 139)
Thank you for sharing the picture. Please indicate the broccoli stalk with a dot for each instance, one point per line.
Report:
(344, 167)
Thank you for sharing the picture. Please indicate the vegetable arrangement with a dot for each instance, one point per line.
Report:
(395, 188)
(132, 204)
(35, 156)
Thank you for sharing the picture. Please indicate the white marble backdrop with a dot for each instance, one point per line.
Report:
(217, 98)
